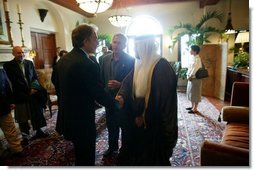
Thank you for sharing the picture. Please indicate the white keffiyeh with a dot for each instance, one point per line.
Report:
(145, 57)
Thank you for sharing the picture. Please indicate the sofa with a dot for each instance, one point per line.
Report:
(44, 77)
(233, 150)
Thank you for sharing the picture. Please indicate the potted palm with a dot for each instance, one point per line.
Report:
(198, 33)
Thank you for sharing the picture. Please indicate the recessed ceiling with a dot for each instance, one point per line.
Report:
(72, 4)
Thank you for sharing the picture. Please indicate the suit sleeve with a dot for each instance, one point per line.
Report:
(95, 88)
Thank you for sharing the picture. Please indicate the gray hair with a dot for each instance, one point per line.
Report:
(122, 37)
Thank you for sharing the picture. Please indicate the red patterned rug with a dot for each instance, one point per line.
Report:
(193, 130)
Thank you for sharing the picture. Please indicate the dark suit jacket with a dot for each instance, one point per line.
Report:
(5, 94)
(78, 84)
(21, 87)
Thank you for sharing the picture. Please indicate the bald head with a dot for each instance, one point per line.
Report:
(18, 53)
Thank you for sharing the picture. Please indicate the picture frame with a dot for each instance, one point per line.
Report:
(4, 30)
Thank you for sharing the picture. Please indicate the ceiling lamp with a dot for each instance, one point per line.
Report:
(229, 28)
(94, 6)
(120, 20)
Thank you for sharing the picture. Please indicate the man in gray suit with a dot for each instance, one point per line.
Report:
(114, 68)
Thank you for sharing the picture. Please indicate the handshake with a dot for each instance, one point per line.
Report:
(119, 101)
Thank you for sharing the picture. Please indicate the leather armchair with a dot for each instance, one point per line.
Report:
(233, 150)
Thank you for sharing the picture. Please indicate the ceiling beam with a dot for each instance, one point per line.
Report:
(203, 3)
(72, 4)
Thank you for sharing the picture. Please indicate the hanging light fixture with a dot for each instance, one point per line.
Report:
(94, 6)
(229, 28)
(120, 20)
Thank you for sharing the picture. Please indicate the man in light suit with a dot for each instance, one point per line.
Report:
(78, 85)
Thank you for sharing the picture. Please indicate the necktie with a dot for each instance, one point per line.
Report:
(22, 67)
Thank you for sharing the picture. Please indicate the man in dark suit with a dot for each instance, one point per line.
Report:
(22, 75)
(78, 84)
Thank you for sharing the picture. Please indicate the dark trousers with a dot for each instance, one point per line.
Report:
(24, 128)
(37, 118)
(84, 146)
(125, 155)
(126, 126)
(113, 129)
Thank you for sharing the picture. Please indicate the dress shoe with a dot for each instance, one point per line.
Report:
(24, 142)
(19, 154)
(188, 108)
(110, 152)
(39, 135)
(192, 111)
(42, 135)
(6, 154)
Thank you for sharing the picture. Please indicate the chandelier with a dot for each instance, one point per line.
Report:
(94, 6)
(120, 20)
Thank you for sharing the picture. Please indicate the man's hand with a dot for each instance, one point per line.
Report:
(190, 78)
(139, 120)
(113, 84)
(120, 100)
(33, 91)
(12, 106)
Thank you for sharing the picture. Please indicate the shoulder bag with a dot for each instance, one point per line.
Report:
(201, 72)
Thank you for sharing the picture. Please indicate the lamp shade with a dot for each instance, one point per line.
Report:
(94, 6)
(120, 20)
(242, 37)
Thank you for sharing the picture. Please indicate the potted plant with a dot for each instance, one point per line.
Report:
(241, 60)
(106, 37)
(198, 33)
(182, 73)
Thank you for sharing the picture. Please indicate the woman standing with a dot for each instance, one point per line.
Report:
(194, 86)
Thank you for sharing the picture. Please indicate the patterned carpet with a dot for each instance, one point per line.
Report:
(193, 130)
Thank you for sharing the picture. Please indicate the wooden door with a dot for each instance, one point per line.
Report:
(45, 47)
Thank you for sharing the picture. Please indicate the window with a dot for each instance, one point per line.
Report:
(184, 51)
(144, 25)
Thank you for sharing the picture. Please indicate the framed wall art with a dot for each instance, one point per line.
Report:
(5, 35)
